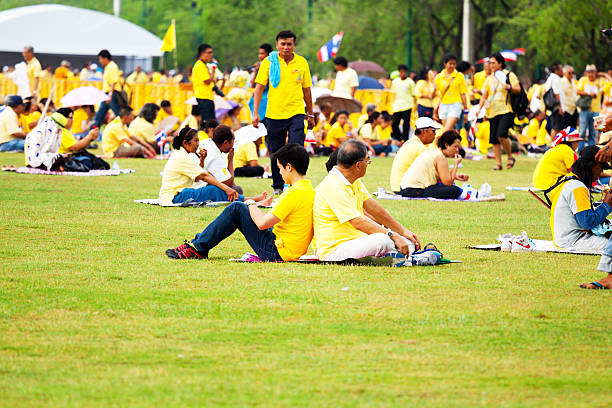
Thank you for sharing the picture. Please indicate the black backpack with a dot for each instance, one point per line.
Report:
(519, 102)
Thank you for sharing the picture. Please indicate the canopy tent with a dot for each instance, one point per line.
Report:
(65, 31)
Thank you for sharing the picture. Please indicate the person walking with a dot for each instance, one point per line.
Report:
(554, 82)
(110, 86)
(204, 81)
(403, 86)
(590, 87)
(34, 69)
(289, 77)
(453, 91)
(264, 50)
(570, 114)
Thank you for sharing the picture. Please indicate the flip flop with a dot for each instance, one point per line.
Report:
(498, 167)
(509, 166)
(596, 284)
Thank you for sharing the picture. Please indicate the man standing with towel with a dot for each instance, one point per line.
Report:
(290, 82)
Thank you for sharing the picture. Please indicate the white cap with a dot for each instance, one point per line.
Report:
(424, 122)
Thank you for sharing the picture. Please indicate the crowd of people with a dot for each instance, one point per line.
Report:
(435, 117)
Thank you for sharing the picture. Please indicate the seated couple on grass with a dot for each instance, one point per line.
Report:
(205, 178)
(575, 223)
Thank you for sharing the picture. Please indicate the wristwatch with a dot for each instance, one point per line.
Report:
(390, 234)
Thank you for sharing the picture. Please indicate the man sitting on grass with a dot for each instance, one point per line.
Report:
(283, 234)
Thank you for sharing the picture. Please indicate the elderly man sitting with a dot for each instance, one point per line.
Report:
(348, 222)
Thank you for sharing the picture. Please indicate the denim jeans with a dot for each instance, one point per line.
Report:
(605, 263)
(281, 132)
(209, 192)
(13, 145)
(103, 109)
(236, 216)
(586, 123)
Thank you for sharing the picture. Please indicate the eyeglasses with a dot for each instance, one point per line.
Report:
(366, 161)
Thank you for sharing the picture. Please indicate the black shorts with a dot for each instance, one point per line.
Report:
(556, 121)
(500, 125)
(570, 120)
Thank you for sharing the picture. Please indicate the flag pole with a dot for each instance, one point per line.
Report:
(174, 42)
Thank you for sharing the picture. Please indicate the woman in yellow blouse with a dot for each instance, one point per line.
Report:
(425, 92)
(453, 90)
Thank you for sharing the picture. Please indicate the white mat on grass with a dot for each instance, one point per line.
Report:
(540, 246)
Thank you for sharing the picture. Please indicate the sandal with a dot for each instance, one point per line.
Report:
(497, 167)
(510, 163)
(596, 284)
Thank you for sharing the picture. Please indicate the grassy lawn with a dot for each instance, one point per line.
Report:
(92, 313)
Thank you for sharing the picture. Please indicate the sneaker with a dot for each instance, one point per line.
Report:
(426, 257)
(523, 243)
(506, 242)
(184, 251)
(399, 259)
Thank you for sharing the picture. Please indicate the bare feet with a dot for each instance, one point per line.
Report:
(260, 197)
(605, 283)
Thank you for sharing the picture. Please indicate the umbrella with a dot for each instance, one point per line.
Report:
(369, 83)
(227, 106)
(248, 134)
(338, 104)
(220, 103)
(85, 95)
(368, 68)
(318, 91)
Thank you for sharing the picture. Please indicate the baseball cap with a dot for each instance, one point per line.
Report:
(424, 122)
(589, 153)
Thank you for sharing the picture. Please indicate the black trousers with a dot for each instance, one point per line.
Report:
(281, 132)
(435, 191)
(401, 135)
(249, 171)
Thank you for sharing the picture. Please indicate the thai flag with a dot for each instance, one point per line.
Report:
(330, 49)
(519, 51)
(509, 55)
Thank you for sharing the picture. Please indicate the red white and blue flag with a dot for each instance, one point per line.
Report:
(330, 49)
(509, 55)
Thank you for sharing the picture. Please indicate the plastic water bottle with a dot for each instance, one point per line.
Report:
(165, 150)
(115, 165)
(485, 190)
(286, 187)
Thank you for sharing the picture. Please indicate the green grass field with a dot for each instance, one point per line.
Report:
(94, 314)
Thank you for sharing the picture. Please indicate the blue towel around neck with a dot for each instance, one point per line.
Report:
(275, 71)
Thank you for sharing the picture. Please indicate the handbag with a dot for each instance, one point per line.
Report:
(550, 101)
(584, 102)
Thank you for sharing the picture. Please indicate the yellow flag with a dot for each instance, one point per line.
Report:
(169, 39)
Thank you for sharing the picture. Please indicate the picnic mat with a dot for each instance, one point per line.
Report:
(90, 173)
(385, 195)
(515, 188)
(188, 203)
(540, 246)
(369, 260)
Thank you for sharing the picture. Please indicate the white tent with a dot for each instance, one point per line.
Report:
(65, 30)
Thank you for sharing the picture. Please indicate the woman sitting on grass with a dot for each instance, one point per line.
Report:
(182, 170)
(558, 160)
(429, 174)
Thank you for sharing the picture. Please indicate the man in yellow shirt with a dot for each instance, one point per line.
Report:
(246, 161)
(110, 85)
(342, 230)
(12, 137)
(34, 69)
(425, 135)
(591, 86)
(204, 81)
(137, 77)
(290, 82)
(116, 141)
(282, 234)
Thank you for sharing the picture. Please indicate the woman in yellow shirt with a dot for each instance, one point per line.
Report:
(496, 96)
(380, 140)
(425, 92)
(453, 91)
(340, 130)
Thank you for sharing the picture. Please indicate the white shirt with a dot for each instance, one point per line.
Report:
(345, 81)
(404, 94)
(554, 82)
(215, 163)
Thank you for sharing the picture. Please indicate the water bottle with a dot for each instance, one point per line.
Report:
(485, 190)
(115, 165)
(165, 150)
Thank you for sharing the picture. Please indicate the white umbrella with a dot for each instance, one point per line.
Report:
(317, 91)
(85, 95)
(220, 103)
(248, 134)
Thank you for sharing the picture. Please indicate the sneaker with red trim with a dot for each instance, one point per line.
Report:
(184, 251)
(522, 243)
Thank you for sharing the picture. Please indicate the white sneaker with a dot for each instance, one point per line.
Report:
(523, 243)
(506, 242)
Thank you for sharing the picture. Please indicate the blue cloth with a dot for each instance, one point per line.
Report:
(275, 71)
(589, 219)
(13, 145)
(209, 192)
(263, 105)
(381, 148)
(234, 217)
(604, 180)
(587, 124)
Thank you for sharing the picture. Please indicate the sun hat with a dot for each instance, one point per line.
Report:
(425, 122)
(591, 67)
(569, 134)
(59, 119)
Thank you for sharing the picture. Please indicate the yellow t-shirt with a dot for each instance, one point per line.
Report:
(162, 114)
(34, 69)
(403, 160)
(497, 102)
(404, 94)
(424, 87)
(479, 81)
(598, 86)
(456, 86)
(142, 129)
(26, 121)
(555, 163)
(61, 72)
(113, 136)
(381, 134)
(9, 124)
(334, 134)
(137, 78)
(201, 74)
(180, 171)
(422, 173)
(542, 136)
(111, 76)
(294, 231)
(68, 140)
(156, 76)
(244, 154)
(287, 99)
(336, 203)
(482, 135)
(78, 117)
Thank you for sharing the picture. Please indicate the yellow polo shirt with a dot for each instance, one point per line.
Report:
(200, 74)
(498, 102)
(334, 134)
(421, 88)
(403, 159)
(244, 153)
(68, 140)
(78, 117)
(456, 86)
(555, 163)
(336, 203)
(381, 134)
(113, 136)
(111, 76)
(27, 120)
(294, 231)
(287, 99)
(142, 129)
(9, 124)
(34, 70)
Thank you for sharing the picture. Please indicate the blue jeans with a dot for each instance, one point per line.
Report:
(424, 111)
(605, 263)
(13, 145)
(586, 123)
(281, 132)
(236, 217)
(103, 109)
(209, 192)
(381, 148)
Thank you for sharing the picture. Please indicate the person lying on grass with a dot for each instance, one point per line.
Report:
(282, 234)
(182, 170)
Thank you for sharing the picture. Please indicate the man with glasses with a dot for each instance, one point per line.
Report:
(425, 132)
(348, 222)
(570, 114)
(204, 81)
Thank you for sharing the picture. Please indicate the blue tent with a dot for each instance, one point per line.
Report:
(366, 82)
